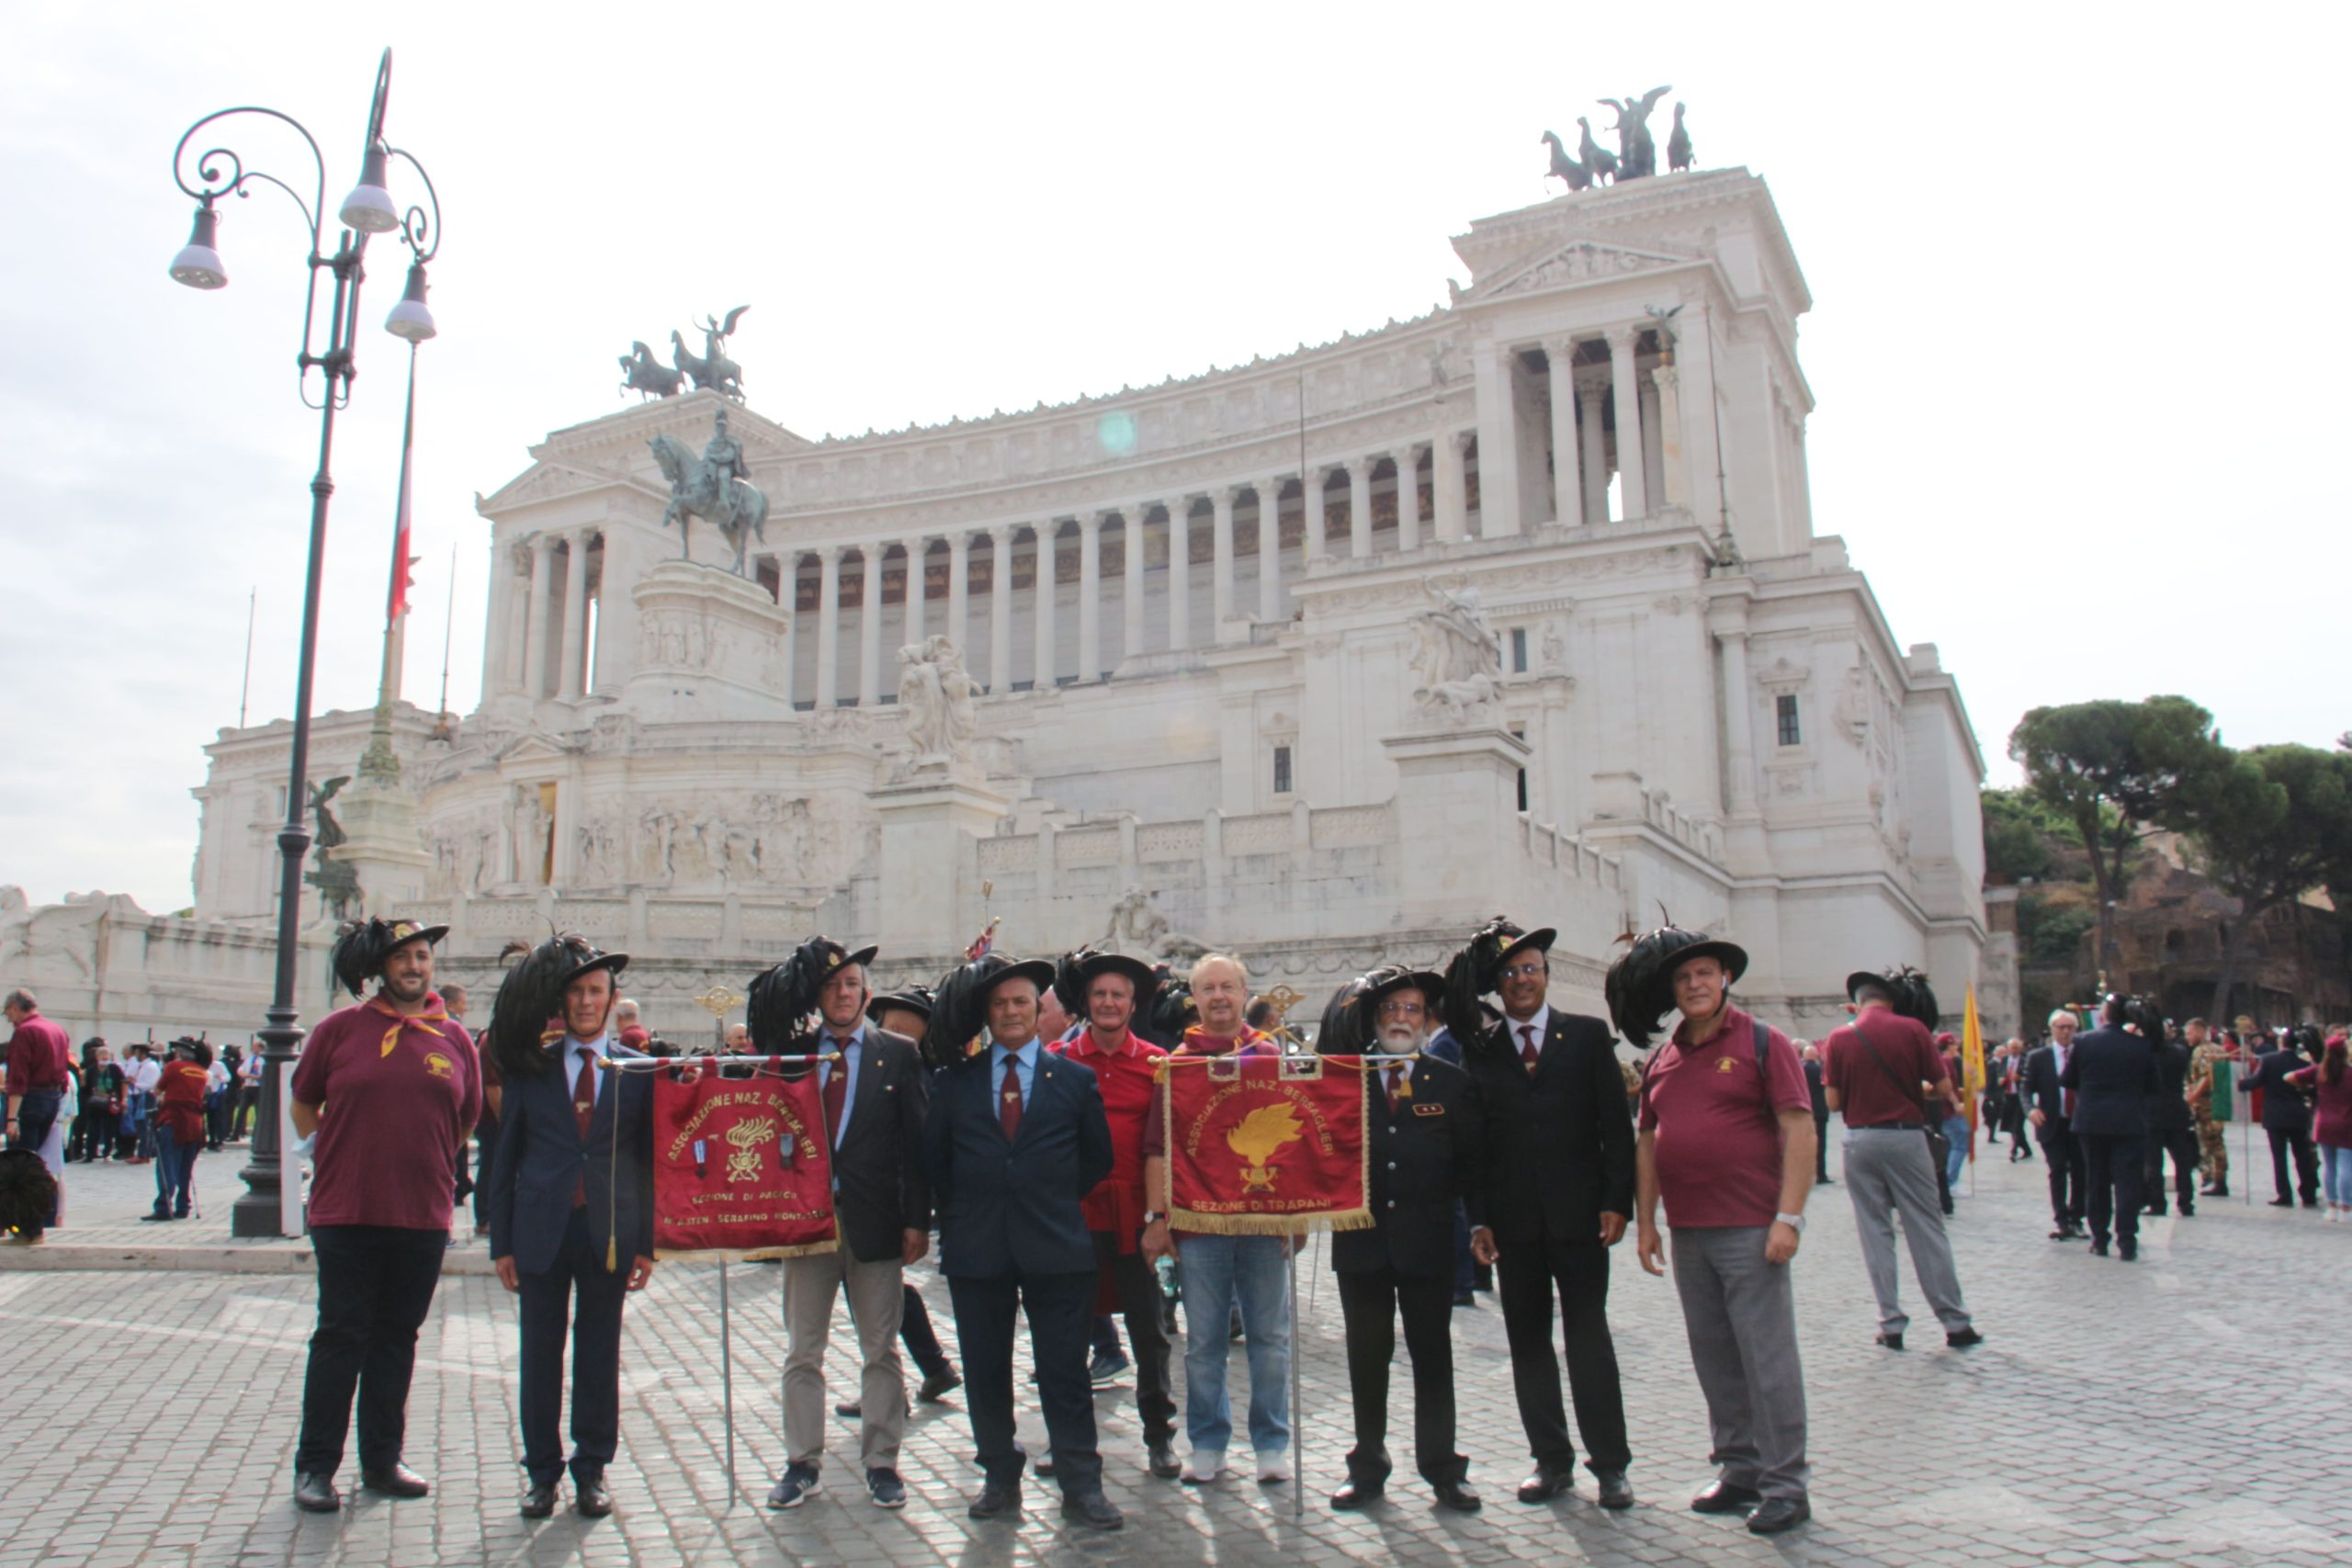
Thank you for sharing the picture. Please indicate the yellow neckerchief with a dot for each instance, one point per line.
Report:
(425, 1020)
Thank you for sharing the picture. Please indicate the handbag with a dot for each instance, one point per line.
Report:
(1938, 1146)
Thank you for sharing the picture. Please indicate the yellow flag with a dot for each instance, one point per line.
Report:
(1972, 1065)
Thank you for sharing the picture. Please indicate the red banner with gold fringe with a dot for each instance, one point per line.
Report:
(741, 1169)
(1265, 1146)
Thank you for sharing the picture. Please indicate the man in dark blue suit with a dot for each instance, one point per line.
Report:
(2286, 1120)
(1014, 1138)
(2052, 1111)
(2111, 1073)
(571, 1206)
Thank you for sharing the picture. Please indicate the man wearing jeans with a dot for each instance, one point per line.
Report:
(39, 1056)
(1879, 1067)
(1219, 1270)
(1726, 1141)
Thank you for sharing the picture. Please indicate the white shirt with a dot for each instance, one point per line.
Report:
(1541, 1022)
(573, 1050)
(146, 1076)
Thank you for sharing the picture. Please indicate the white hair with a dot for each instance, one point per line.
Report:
(2066, 1013)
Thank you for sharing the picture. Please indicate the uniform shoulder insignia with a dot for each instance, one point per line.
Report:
(1424, 1108)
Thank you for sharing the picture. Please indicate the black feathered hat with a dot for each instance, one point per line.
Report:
(916, 1000)
(361, 948)
(530, 1001)
(1475, 970)
(784, 998)
(1639, 987)
(200, 1050)
(27, 1191)
(1171, 1011)
(1906, 988)
(1077, 970)
(1346, 1027)
(960, 1009)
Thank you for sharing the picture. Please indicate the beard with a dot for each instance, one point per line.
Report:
(1398, 1039)
(408, 987)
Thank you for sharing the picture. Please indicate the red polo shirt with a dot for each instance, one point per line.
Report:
(1128, 1076)
(1870, 1097)
(38, 1054)
(1718, 1147)
(397, 1097)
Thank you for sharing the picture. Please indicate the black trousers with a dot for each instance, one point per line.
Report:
(920, 1338)
(1370, 1305)
(376, 1285)
(2113, 1165)
(2306, 1161)
(1137, 1288)
(548, 1313)
(2013, 1122)
(1578, 1272)
(2066, 1173)
(2181, 1144)
(1821, 1146)
(485, 1147)
(1060, 1308)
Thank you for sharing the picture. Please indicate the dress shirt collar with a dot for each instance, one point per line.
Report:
(1541, 1022)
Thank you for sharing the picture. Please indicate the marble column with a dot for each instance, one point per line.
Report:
(787, 567)
(915, 548)
(575, 614)
(869, 628)
(1131, 527)
(1001, 609)
(1448, 501)
(829, 624)
(1042, 676)
(1498, 501)
(1590, 385)
(1270, 548)
(534, 621)
(1626, 404)
(1673, 470)
(1409, 497)
(1652, 471)
(1090, 595)
(1360, 507)
(1314, 499)
(1221, 558)
(1568, 471)
(1180, 572)
(959, 591)
(1740, 728)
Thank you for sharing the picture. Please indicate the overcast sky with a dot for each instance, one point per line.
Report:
(2080, 416)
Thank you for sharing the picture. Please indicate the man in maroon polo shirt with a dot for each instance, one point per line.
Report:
(1726, 1140)
(39, 1056)
(391, 1089)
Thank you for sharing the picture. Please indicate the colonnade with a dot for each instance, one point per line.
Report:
(549, 629)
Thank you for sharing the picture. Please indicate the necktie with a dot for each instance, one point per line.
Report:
(2065, 1096)
(1395, 1085)
(836, 1092)
(1527, 1052)
(1008, 1113)
(583, 1105)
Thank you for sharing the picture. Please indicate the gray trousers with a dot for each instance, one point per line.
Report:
(877, 1293)
(1890, 1170)
(1741, 1314)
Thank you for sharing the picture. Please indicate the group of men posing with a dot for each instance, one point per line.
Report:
(1042, 1164)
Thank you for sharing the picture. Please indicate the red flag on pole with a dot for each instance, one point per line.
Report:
(402, 561)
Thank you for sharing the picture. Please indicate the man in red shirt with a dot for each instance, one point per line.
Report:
(1113, 988)
(390, 1088)
(1879, 1069)
(1726, 1141)
(38, 1055)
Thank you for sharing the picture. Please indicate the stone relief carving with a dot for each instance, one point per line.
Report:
(530, 824)
(464, 854)
(1555, 655)
(937, 694)
(756, 840)
(65, 931)
(1138, 930)
(1457, 656)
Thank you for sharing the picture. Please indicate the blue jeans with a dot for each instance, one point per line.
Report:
(1955, 1129)
(175, 1174)
(1217, 1271)
(2335, 1170)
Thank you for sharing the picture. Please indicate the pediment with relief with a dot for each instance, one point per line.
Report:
(1580, 261)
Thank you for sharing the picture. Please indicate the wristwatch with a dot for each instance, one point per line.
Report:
(1152, 1218)
(1795, 1221)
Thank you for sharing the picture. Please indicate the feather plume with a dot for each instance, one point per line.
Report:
(1169, 1012)
(357, 955)
(1639, 987)
(1346, 1029)
(961, 1010)
(27, 1190)
(783, 1003)
(1069, 984)
(1913, 998)
(529, 1000)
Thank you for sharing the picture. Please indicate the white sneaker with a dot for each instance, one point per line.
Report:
(1204, 1466)
(1273, 1469)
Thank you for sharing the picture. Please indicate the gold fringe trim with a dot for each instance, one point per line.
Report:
(1269, 1224)
(736, 1255)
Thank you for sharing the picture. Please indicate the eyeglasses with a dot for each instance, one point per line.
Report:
(1525, 971)
(1401, 1009)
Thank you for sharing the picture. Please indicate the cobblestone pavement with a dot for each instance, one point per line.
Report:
(2115, 1415)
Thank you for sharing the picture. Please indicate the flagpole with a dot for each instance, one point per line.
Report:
(448, 629)
(380, 763)
(1298, 1386)
(246, 682)
(727, 1381)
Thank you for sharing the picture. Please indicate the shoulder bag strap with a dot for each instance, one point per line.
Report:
(1912, 1095)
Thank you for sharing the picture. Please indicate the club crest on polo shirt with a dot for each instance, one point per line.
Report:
(436, 1063)
(1724, 1064)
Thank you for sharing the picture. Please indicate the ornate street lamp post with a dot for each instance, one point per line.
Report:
(368, 211)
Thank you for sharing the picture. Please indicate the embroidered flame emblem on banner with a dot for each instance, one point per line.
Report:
(1257, 1138)
(748, 1136)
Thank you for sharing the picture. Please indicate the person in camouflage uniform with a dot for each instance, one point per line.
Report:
(2213, 1149)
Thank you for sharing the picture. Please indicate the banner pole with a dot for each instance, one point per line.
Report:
(727, 1380)
(1297, 1384)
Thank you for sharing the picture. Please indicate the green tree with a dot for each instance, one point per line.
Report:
(2118, 770)
(2270, 829)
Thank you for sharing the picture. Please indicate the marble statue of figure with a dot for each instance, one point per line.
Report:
(1457, 656)
(714, 487)
(1137, 927)
(937, 695)
(531, 824)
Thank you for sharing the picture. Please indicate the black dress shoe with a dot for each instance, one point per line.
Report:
(1722, 1498)
(1456, 1495)
(2156, 1211)
(1616, 1492)
(2099, 1250)
(1963, 1339)
(1357, 1494)
(938, 1385)
(2275, 1203)
(539, 1501)
(1094, 1511)
(1465, 1299)
(1546, 1483)
(396, 1479)
(1161, 1459)
(1778, 1513)
(996, 1498)
(590, 1497)
(1890, 1341)
(849, 1410)
(2189, 1211)
(315, 1494)
(2128, 1250)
